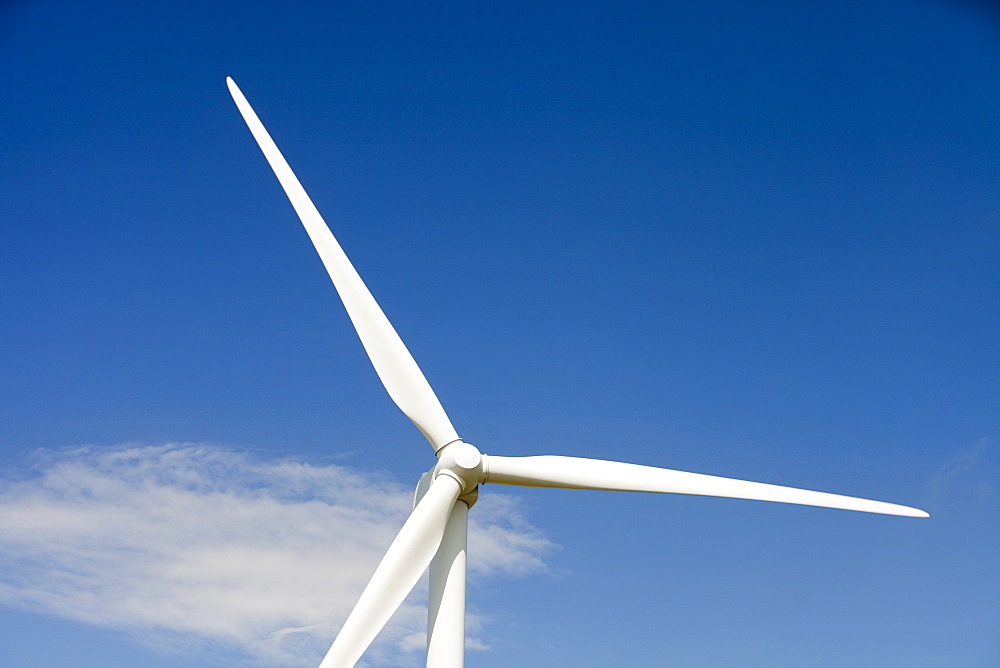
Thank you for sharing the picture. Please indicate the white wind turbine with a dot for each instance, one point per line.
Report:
(435, 533)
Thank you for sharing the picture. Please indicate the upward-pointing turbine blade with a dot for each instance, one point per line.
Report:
(578, 473)
(395, 366)
(403, 564)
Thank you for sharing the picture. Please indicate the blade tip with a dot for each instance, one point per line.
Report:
(907, 511)
(237, 95)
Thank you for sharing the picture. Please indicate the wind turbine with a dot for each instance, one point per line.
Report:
(435, 533)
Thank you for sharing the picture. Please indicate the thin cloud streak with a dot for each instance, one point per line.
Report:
(963, 478)
(222, 548)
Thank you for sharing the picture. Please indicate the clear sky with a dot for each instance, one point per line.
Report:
(758, 240)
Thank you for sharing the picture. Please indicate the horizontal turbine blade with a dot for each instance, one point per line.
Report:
(578, 473)
(403, 564)
(392, 361)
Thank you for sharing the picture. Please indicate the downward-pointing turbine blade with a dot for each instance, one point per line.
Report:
(392, 361)
(578, 473)
(403, 564)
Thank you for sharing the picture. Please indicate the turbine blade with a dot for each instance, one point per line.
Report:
(578, 473)
(395, 366)
(403, 564)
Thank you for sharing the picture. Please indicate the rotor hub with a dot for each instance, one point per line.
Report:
(463, 462)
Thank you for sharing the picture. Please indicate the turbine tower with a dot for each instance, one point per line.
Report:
(435, 533)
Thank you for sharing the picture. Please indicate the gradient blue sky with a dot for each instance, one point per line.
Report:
(758, 240)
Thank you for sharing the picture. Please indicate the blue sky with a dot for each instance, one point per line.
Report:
(752, 240)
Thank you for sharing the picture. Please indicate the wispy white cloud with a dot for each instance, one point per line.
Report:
(222, 548)
(963, 477)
